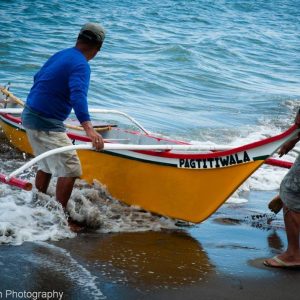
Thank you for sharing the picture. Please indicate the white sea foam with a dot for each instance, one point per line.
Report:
(96, 207)
(24, 219)
(33, 216)
(63, 262)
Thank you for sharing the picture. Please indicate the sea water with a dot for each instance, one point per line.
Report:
(221, 72)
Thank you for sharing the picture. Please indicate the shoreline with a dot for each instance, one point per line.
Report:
(220, 258)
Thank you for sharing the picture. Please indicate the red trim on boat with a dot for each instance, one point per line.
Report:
(226, 152)
(12, 118)
(77, 137)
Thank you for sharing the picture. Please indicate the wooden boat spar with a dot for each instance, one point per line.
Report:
(167, 177)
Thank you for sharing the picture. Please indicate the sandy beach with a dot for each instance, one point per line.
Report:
(218, 259)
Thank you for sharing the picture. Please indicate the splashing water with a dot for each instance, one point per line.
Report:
(33, 216)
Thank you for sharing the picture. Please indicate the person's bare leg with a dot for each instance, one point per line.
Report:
(42, 181)
(292, 227)
(64, 189)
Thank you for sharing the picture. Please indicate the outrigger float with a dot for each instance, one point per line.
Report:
(167, 177)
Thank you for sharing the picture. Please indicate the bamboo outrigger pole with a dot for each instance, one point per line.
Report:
(11, 96)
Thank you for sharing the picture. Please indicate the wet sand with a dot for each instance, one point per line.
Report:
(218, 259)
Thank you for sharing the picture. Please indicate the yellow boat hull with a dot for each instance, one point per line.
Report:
(178, 193)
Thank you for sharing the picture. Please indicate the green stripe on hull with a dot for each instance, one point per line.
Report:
(263, 157)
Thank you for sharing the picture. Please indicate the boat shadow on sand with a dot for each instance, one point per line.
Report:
(93, 263)
(145, 260)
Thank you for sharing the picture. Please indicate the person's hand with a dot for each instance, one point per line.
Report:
(287, 147)
(276, 204)
(96, 138)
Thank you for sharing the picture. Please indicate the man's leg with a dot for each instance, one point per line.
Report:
(292, 227)
(64, 189)
(42, 180)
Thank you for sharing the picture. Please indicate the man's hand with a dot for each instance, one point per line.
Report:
(93, 135)
(287, 147)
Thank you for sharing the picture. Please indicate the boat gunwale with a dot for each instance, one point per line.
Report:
(169, 154)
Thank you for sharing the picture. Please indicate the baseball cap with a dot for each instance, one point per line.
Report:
(93, 31)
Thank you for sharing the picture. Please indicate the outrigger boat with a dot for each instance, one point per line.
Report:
(160, 175)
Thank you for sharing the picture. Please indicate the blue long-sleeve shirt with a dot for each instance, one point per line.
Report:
(60, 85)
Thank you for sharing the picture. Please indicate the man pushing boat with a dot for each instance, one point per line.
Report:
(60, 86)
(289, 200)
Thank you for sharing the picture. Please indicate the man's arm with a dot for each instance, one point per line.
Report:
(79, 83)
(289, 145)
